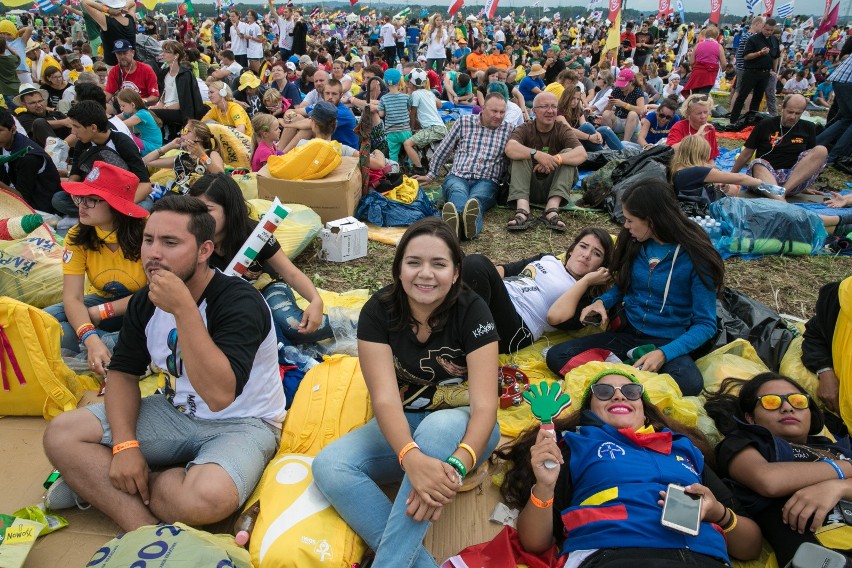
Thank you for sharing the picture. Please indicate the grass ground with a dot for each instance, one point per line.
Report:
(786, 284)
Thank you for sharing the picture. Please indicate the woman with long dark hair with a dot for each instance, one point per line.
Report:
(226, 204)
(601, 503)
(105, 247)
(789, 477)
(667, 275)
(421, 332)
(532, 296)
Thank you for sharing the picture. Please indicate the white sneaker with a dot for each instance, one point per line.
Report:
(60, 496)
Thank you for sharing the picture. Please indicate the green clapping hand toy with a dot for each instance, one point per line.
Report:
(546, 402)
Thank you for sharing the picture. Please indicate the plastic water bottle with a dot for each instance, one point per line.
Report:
(245, 525)
(292, 354)
(772, 189)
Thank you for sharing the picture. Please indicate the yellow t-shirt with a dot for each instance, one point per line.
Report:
(556, 88)
(234, 116)
(110, 273)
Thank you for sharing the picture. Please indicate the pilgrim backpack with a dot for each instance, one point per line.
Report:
(297, 527)
(36, 381)
(313, 160)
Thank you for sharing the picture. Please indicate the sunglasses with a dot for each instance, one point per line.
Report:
(174, 361)
(630, 391)
(799, 401)
(86, 202)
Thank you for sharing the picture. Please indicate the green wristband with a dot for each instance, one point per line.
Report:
(458, 465)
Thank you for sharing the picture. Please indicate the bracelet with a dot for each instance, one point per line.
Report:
(823, 370)
(731, 525)
(469, 450)
(159, 152)
(405, 449)
(458, 465)
(106, 311)
(125, 446)
(721, 521)
(83, 329)
(87, 335)
(832, 463)
(538, 502)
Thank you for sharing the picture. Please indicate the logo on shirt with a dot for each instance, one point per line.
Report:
(653, 262)
(66, 256)
(610, 449)
(483, 329)
(685, 462)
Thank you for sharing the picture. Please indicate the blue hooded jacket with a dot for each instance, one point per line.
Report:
(667, 299)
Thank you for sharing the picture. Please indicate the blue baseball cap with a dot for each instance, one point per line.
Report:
(392, 77)
(294, 59)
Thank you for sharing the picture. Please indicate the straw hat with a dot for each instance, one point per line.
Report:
(26, 89)
(536, 70)
(12, 205)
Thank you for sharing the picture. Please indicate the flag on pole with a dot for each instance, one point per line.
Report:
(315, 12)
(614, 10)
(490, 8)
(752, 5)
(785, 11)
(809, 23)
(455, 7)
(353, 2)
(684, 47)
(664, 9)
(405, 11)
(536, 4)
(613, 36)
(770, 7)
(680, 10)
(557, 17)
(186, 8)
(827, 8)
(825, 26)
(523, 13)
(715, 11)
(47, 6)
(595, 16)
(546, 9)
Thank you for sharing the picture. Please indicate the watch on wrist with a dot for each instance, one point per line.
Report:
(533, 152)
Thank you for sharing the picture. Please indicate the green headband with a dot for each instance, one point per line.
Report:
(588, 392)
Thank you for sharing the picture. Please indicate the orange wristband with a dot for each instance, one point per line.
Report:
(405, 449)
(125, 446)
(538, 502)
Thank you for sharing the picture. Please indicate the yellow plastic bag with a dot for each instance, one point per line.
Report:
(736, 359)
(792, 366)
(313, 160)
(234, 146)
(31, 270)
(296, 231)
(520, 73)
(405, 192)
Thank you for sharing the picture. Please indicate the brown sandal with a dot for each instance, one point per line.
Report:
(522, 221)
(554, 221)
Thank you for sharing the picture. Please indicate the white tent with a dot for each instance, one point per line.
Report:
(17, 12)
(352, 18)
(472, 18)
(544, 19)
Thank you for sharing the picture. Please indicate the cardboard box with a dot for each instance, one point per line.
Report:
(332, 197)
(344, 239)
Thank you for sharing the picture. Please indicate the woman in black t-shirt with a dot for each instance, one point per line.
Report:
(417, 338)
(788, 476)
(233, 226)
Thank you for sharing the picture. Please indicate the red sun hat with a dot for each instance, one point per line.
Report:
(112, 184)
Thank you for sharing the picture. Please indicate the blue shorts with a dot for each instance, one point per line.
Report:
(168, 437)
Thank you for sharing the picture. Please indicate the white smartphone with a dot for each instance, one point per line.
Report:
(681, 510)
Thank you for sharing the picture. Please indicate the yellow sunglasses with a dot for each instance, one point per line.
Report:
(799, 401)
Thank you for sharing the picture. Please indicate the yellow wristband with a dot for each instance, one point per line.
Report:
(538, 502)
(731, 525)
(125, 446)
(469, 450)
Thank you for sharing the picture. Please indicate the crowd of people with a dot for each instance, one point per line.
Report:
(478, 105)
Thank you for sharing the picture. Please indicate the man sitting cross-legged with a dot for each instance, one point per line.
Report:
(209, 435)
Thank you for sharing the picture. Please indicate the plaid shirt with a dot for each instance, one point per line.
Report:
(478, 152)
(843, 74)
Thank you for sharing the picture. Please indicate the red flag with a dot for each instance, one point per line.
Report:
(716, 11)
(353, 2)
(614, 9)
(455, 7)
(665, 9)
(770, 6)
(828, 22)
(827, 8)
(491, 8)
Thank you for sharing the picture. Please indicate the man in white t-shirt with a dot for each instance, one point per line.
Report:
(387, 35)
(229, 69)
(285, 30)
(239, 45)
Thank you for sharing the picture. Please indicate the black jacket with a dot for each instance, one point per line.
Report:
(33, 175)
(191, 105)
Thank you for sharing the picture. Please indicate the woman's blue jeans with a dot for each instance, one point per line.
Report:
(610, 138)
(69, 336)
(350, 470)
(288, 315)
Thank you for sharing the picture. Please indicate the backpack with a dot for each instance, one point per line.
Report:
(313, 160)
(297, 527)
(36, 381)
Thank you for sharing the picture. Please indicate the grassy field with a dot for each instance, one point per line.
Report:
(786, 284)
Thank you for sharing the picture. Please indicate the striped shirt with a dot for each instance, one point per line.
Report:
(741, 48)
(395, 107)
(478, 152)
(843, 74)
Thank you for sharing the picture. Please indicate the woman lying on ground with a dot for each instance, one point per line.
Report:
(602, 503)
(535, 295)
(225, 202)
(666, 275)
(788, 476)
(424, 330)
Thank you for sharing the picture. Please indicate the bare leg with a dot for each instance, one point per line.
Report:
(607, 119)
(72, 443)
(760, 172)
(412, 153)
(203, 495)
(630, 126)
(830, 223)
(807, 167)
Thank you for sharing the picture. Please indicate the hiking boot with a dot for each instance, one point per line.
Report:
(419, 171)
(450, 216)
(60, 496)
(471, 219)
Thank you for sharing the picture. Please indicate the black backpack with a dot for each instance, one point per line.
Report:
(148, 51)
